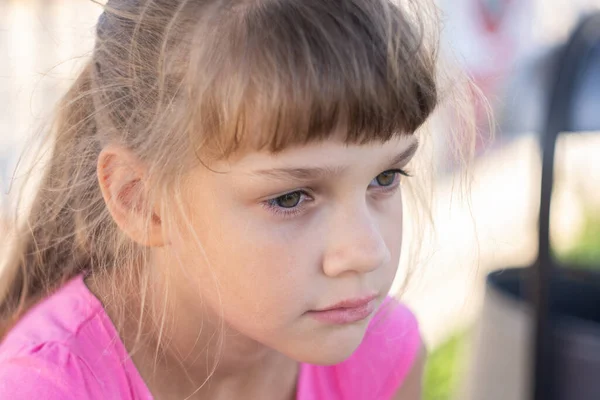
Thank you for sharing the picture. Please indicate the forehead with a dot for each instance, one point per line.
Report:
(329, 151)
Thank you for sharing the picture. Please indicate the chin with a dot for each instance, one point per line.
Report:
(334, 346)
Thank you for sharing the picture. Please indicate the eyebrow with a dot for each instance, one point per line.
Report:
(309, 173)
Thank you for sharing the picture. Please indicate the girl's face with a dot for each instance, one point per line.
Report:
(285, 235)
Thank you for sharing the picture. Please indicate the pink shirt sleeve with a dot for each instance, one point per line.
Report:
(377, 368)
(49, 372)
(66, 347)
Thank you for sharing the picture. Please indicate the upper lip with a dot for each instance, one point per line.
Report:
(350, 303)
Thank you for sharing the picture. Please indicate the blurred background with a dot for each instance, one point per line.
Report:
(509, 47)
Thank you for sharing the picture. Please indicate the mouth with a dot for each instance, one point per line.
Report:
(347, 311)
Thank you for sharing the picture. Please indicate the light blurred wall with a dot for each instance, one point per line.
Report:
(42, 43)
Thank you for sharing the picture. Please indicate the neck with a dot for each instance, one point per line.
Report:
(194, 355)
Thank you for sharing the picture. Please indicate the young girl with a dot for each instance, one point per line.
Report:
(221, 216)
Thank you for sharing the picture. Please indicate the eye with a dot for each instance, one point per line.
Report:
(386, 178)
(288, 205)
(288, 200)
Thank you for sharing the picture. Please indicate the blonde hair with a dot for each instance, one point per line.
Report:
(178, 82)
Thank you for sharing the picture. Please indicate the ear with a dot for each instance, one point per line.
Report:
(122, 180)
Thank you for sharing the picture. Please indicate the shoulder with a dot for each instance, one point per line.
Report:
(57, 318)
(412, 385)
(391, 348)
(63, 348)
(48, 370)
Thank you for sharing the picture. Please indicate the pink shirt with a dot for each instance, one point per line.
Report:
(66, 347)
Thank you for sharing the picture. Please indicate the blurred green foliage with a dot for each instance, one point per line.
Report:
(586, 251)
(445, 368)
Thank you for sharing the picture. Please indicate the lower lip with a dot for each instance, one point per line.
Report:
(342, 316)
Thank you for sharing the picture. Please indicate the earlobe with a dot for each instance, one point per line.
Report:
(122, 181)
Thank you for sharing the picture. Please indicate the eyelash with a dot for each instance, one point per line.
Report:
(272, 206)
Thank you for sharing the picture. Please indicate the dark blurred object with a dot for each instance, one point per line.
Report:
(573, 327)
(540, 336)
(567, 330)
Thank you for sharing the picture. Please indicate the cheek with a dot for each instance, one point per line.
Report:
(391, 224)
(264, 271)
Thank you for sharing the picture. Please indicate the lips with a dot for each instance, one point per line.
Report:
(347, 311)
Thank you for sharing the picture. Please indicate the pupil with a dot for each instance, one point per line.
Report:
(386, 178)
(289, 200)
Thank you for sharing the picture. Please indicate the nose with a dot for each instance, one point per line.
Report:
(355, 245)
